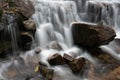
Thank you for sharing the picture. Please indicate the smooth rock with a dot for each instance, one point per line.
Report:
(92, 35)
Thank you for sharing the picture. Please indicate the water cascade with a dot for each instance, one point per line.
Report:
(53, 36)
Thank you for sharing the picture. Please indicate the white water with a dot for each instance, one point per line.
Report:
(53, 19)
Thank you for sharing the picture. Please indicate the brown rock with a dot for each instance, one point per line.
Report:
(92, 35)
(46, 73)
(77, 65)
(29, 25)
(56, 59)
(67, 58)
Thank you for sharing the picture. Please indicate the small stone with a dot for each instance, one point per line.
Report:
(46, 73)
(37, 51)
(67, 58)
(56, 59)
(55, 45)
(29, 24)
(77, 65)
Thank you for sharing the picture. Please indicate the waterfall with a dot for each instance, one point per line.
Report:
(53, 21)
(53, 35)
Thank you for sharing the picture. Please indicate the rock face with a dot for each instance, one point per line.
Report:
(25, 7)
(92, 35)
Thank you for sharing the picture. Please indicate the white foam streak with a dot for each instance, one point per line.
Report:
(111, 52)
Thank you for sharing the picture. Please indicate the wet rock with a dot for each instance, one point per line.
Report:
(26, 40)
(38, 50)
(25, 7)
(56, 59)
(55, 45)
(77, 65)
(67, 58)
(29, 25)
(92, 35)
(5, 46)
(2, 27)
(46, 72)
(108, 67)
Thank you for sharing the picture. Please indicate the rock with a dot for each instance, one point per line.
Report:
(2, 27)
(26, 40)
(67, 58)
(56, 59)
(29, 24)
(25, 7)
(38, 50)
(77, 65)
(46, 72)
(92, 35)
(5, 46)
(55, 45)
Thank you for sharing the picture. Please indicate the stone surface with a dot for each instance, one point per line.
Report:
(92, 35)
(67, 58)
(29, 24)
(56, 59)
(46, 72)
(77, 65)
(37, 50)
(107, 67)
(26, 40)
(25, 7)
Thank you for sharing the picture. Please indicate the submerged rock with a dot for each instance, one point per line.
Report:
(55, 45)
(92, 35)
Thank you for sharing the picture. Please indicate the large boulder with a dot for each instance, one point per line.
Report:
(92, 35)
(25, 7)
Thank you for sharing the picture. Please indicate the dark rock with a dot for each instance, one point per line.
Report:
(92, 35)
(67, 58)
(38, 50)
(56, 59)
(26, 40)
(77, 65)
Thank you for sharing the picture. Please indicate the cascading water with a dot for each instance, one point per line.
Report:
(53, 19)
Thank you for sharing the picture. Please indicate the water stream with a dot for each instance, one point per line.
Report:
(53, 19)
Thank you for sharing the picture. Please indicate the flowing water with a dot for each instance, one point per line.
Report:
(53, 19)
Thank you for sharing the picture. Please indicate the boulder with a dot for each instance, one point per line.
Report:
(25, 7)
(56, 59)
(92, 35)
